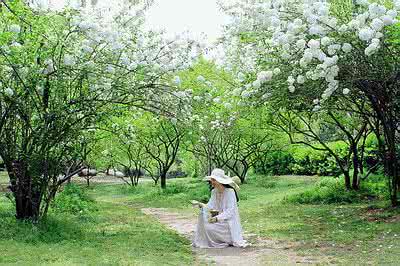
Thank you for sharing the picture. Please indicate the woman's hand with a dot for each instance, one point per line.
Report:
(196, 203)
(212, 220)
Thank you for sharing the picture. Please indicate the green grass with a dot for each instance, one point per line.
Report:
(116, 234)
(360, 233)
(352, 233)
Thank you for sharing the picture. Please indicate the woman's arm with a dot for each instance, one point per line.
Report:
(211, 202)
(230, 206)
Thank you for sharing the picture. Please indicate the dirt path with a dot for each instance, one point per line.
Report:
(260, 252)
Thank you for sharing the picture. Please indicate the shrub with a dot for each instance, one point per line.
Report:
(332, 190)
(73, 200)
(326, 191)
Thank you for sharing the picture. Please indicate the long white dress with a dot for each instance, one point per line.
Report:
(227, 231)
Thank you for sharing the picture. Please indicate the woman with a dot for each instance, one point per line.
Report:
(219, 222)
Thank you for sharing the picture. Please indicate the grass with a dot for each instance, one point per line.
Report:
(360, 233)
(116, 234)
(351, 233)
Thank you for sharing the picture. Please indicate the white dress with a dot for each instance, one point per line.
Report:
(227, 231)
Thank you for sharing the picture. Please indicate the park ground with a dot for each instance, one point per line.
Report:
(117, 232)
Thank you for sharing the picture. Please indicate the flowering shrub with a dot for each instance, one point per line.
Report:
(296, 43)
(60, 73)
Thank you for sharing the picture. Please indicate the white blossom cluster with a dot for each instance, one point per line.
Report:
(115, 47)
(304, 37)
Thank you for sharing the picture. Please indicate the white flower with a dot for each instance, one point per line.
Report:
(15, 28)
(343, 28)
(241, 77)
(49, 67)
(264, 76)
(87, 49)
(392, 13)
(346, 91)
(256, 84)
(366, 34)
(301, 79)
(277, 71)
(292, 89)
(291, 80)
(201, 79)
(246, 94)
(347, 47)
(9, 92)
(333, 48)
(377, 24)
(316, 101)
(300, 44)
(387, 20)
(228, 105)
(217, 100)
(177, 80)
(314, 44)
(316, 108)
(325, 41)
(110, 69)
(15, 45)
(376, 10)
(197, 98)
(69, 60)
(397, 4)
(362, 2)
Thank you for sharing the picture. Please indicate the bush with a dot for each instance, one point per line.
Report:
(332, 190)
(73, 200)
(326, 191)
(301, 160)
(275, 163)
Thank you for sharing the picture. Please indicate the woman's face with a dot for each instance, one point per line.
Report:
(214, 183)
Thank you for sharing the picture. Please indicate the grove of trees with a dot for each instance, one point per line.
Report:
(78, 90)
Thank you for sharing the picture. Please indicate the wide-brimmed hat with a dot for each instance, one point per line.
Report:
(220, 177)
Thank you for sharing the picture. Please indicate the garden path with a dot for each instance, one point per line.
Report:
(260, 252)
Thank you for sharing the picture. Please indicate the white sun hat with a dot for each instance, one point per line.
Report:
(219, 176)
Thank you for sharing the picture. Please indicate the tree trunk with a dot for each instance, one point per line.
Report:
(27, 194)
(163, 177)
(356, 166)
(347, 180)
(244, 173)
(392, 166)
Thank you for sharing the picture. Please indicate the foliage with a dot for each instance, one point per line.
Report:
(62, 74)
(331, 190)
(326, 231)
(331, 64)
(68, 239)
(74, 200)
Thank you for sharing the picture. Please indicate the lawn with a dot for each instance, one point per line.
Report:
(118, 233)
(356, 233)
(114, 235)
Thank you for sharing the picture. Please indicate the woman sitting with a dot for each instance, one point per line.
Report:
(219, 222)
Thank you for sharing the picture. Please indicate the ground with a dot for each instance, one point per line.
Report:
(146, 226)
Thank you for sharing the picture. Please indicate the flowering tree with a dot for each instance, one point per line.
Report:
(323, 50)
(161, 140)
(63, 72)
